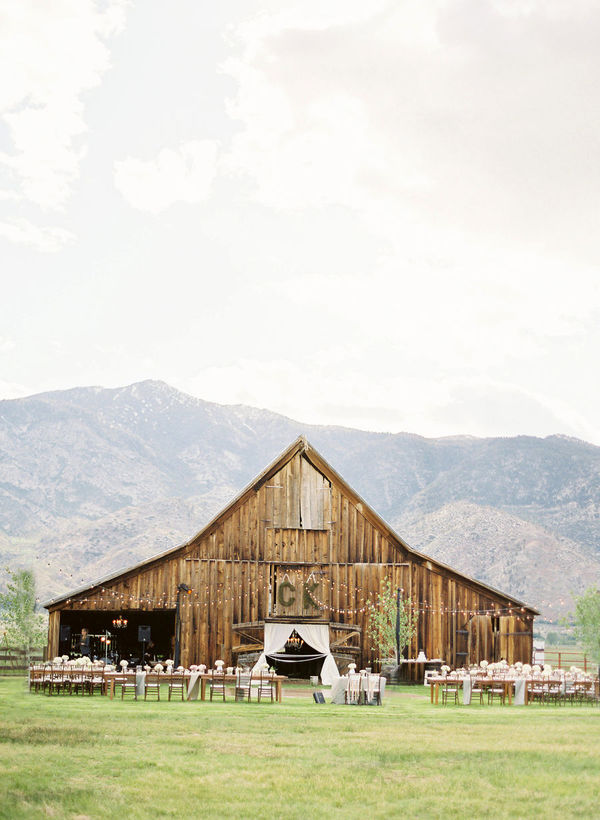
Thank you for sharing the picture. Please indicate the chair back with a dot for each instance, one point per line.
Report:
(353, 690)
(243, 685)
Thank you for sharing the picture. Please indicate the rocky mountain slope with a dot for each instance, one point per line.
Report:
(92, 480)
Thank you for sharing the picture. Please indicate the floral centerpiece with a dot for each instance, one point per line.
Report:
(123, 664)
(445, 669)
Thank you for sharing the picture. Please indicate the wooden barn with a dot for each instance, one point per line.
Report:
(287, 568)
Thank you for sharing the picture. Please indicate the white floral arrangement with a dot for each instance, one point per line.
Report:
(526, 668)
(65, 658)
(194, 668)
(202, 668)
(158, 667)
(123, 664)
(57, 660)
(536, 669)
(219, 664)
(484, 664)
(351, 667)
(575, 670)
(147, 668)
(181, 668)
(445, 669)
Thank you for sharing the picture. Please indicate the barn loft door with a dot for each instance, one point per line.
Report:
(299, 497)
(300, 592)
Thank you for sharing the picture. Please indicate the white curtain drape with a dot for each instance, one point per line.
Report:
(315, 635)
(276, 636)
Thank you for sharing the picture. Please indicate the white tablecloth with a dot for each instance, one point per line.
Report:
(519, 699)
(338, 688)
(140, 680)
(193, 688)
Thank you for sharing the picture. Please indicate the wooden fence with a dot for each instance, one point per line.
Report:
(564, 658)
(14, 659)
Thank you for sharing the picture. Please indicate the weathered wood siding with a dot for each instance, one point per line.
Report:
(301, 524)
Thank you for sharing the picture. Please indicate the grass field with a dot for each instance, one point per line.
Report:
(80, 757)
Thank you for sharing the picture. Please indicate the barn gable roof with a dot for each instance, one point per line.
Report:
(299, 447)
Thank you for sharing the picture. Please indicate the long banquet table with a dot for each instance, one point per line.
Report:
(466, 685)
(514, 688)
(196, 683)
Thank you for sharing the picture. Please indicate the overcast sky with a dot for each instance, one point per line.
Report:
(375, 214)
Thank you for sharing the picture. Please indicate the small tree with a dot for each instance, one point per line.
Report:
(24, 627)
(587, 621)
(390, 616)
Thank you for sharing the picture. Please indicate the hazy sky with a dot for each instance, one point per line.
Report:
(375, 214)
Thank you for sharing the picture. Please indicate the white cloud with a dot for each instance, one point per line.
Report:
(461, 116)
(182, 175)
(50, 54)
(11, 390)
(6, 344)
(46, 239)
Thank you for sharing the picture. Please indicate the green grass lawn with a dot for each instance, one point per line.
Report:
(89, 757)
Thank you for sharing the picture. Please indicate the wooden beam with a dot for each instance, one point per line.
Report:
(342, 641)
(247, 647)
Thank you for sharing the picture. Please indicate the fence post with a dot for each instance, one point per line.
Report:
(559, 664)
(585, 663)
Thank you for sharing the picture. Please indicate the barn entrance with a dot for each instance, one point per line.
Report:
(299, 649)
(117, 635)
(298, 659)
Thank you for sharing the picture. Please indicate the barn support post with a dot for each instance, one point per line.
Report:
(181, 588)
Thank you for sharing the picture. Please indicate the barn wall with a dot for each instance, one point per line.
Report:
(299, 525)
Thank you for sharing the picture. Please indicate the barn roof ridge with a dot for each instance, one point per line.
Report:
(300, 446)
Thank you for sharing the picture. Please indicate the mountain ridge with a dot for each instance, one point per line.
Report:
(84, 471)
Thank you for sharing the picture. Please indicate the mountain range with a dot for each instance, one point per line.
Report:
(93, 480)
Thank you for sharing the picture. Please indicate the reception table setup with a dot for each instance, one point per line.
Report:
(81, 676)
(358, 688)
(518, 684)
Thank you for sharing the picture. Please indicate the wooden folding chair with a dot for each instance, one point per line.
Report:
(266, 687)
(243, 686)
(152, 685)
(217, 684)
(450, 691)
(176, 685)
